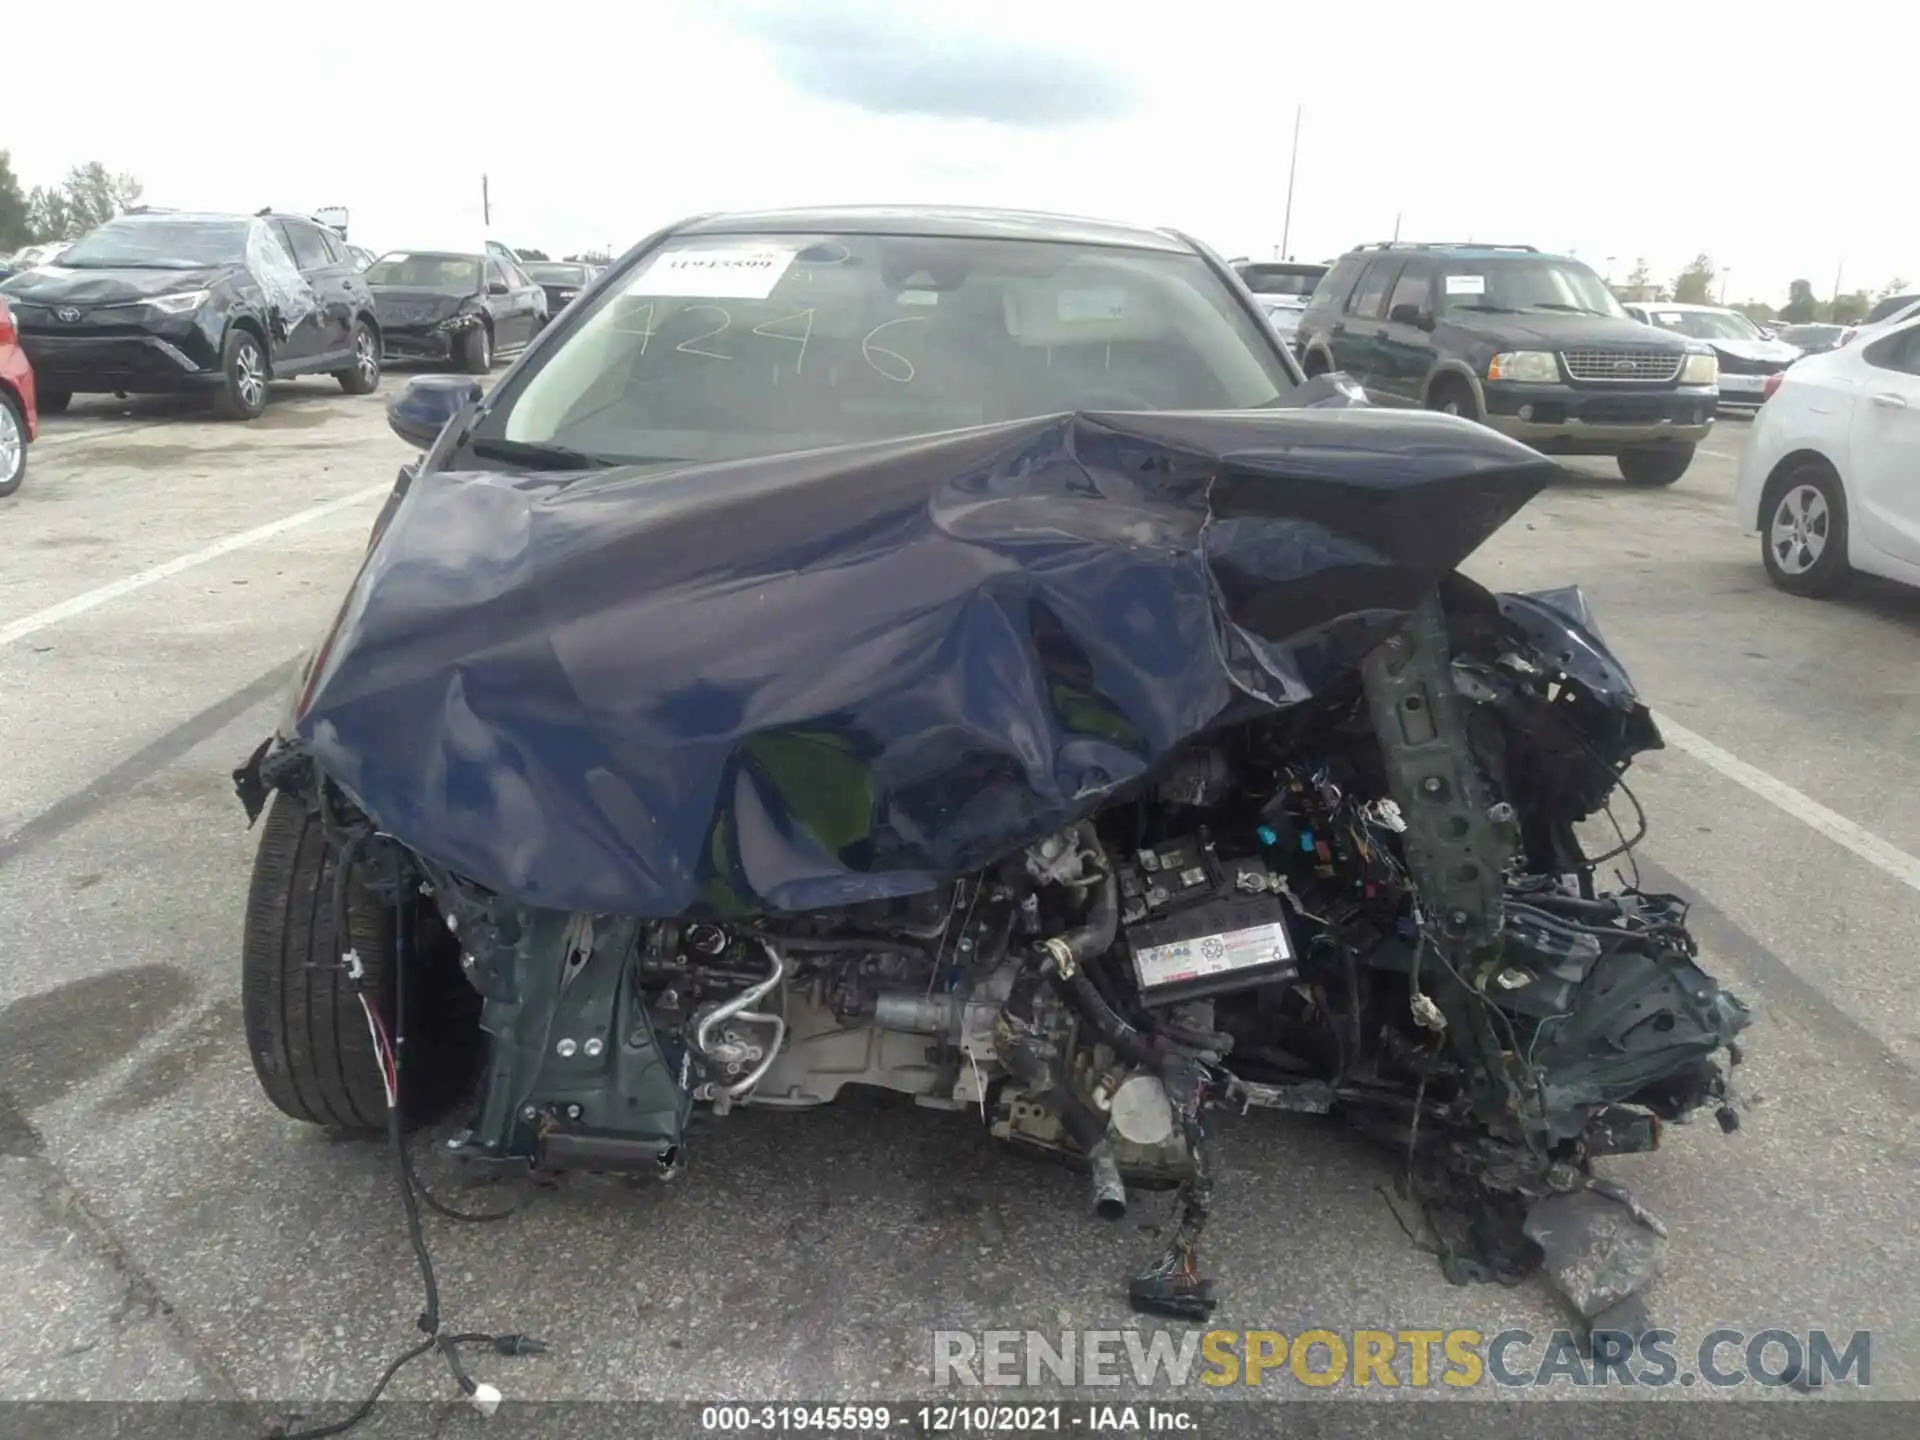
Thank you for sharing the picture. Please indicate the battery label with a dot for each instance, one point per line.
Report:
(1207, 955)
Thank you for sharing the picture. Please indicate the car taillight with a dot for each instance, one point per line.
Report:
(1771, 384)
(8, 332)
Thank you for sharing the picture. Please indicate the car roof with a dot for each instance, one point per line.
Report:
(956, 221)
(438, 254)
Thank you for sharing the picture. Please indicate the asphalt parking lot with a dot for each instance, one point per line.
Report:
(174, 1236)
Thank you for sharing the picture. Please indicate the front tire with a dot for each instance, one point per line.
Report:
(243, 371)
(475, 350)
(306, 1031)
(1803, 531)
(363, 376)
(1452, 396)
(13, 445)
(1654, 464)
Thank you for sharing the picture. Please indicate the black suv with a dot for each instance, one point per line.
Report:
(164, 302)
(1533, 345)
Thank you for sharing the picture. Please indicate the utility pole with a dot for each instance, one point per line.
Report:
(1610, 260)
(1723, 283)
(1396, 227)
(486, 205)
(1286, 224)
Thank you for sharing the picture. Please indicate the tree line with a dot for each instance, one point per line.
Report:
(90, 195)
(1696, 284)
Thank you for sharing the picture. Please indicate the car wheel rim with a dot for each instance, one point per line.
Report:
(369, 364)
(248, 380)
(13, 447)
(1801, 525)
(486, 349)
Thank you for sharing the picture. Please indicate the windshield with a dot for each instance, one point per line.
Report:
(555, 274)
(159, 245)
(1706, 324)
(717, 348)
(426, 272)
(1515, 284)
(1282, 280)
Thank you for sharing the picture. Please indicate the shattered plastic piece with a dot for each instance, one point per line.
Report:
(1426, 1013)
(1595, 1250)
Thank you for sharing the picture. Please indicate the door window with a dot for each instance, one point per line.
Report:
(1897, 352)
(496, 275)
(1369, 299)
(1411, 288)
(309, 252)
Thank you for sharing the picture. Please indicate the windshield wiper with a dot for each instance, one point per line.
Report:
(1571, 309)
(1494, 309)
(540, 455)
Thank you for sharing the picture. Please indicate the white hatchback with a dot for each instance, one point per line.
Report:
(1831, 476)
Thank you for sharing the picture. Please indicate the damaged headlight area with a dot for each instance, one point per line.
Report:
(1373, 904)
(464, 319)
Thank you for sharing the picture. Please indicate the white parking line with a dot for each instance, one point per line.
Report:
(80, 604)
(1808, 811)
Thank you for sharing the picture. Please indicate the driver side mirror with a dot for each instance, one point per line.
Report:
(424, 405)
(498, 287)
(1410, 314)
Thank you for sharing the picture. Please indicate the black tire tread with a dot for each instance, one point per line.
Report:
(471, 343)
(309, 1043)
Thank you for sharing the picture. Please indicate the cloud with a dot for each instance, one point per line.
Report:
(886, 63)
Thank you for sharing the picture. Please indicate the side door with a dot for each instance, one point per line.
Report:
(324, 331)
(1403, 349)
(510, 327)
(1354, 334)
(1883, 446)
(304, 338)
(529, 292)
(343, 275)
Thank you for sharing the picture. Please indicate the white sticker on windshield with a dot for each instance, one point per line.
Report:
(1089, 307)
(1667, 317)
(1466, 284)
(918, 297)
(732, 272)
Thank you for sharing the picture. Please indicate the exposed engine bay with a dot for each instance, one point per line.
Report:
(1373, 905)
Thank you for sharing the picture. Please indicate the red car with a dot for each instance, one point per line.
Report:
(19, 422)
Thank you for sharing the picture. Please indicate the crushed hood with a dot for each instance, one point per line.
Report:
(57, 285)
(813, 679)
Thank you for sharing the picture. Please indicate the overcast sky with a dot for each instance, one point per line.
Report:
(1762, 135)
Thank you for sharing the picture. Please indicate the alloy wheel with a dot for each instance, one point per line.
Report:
(365, 361)
(1798, 535)
(13, 445)
(249, 378)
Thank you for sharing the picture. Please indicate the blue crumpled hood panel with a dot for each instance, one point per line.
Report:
(814, 679)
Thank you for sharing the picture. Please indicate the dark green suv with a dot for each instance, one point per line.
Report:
(1533, 345)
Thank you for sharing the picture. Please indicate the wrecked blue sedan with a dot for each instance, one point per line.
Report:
(957, 652)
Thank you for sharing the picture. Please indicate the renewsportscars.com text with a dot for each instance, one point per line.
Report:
(1414, 1359)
